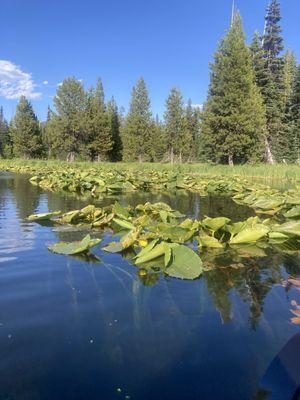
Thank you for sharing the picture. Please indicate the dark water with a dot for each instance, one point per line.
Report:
(70, 329)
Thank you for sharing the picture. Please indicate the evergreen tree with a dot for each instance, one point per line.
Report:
(192, 116)
(287, 137)
(272, 84)
(295, 119)
(4, 136)
(25, 131)
(98, 135)
(258, 59)
(138, 129)
(178, 137)
(289, 72)
(158, 149)
(115, 127)
(234, 116)
(65, 129)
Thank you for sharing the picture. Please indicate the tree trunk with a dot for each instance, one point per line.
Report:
(230, 160)
(98, 158)
(140, 158)
(171, 155)
(71, 156)
(269, 155)
(180, 156)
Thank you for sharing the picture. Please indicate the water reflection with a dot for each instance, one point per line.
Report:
(77, 328)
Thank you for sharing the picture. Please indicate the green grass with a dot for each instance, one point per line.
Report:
(258, 171)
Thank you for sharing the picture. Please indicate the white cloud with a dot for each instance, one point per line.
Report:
(14, 82)
(45, 82)
(200, 106)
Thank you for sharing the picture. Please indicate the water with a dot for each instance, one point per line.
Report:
(72, 329)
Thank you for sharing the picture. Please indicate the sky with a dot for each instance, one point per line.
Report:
(168, 42)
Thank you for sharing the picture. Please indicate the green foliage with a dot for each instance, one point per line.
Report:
(234, 116)
(138, 131)
(5, 140)
(294, 119)
(82, 246)
(269, 66)
(97, 125)
(192, 116)
(65, 128)
(25, 131)
(114, 119)
(178, 128)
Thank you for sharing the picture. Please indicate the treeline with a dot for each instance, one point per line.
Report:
(252, 113)
(83, 125)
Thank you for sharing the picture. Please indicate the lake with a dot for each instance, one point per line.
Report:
(77, 329)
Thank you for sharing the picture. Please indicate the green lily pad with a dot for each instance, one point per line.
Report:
(290, 228)
(69, 248)
(124, 224)
(114, 247)
(43, 216)
(250, 235)
(185, 263)
(215, 224)
(293, 213)
(209, 241)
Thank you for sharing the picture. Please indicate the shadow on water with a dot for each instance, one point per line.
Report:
(76, 328)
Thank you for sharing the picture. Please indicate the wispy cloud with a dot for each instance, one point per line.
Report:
(45, 82)
(14, 82)
(197, 106)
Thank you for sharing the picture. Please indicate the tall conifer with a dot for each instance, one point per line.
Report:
(234, 116)
(25, 131)
(138, 128)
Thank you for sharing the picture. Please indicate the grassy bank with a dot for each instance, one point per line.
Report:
(258, 171)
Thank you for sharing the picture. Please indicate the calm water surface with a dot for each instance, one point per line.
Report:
(72, 329)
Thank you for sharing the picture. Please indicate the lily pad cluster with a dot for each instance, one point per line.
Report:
(94, 182)
(159, 238)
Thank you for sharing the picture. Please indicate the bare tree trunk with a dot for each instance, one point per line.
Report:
(98, 158)
(140, 158)
(171, 155)
(71, 156)
(180, 156)
(269, 155)
(230, 160)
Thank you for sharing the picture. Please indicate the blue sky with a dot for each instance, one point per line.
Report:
(169, 42)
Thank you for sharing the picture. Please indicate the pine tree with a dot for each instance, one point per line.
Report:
(272, 84)
(192, 116)
(158, 149)
(289, 72)
(178, 138)
(97, 128)
(287, 137)
(258, 59)
(138, 129)
(115, 127)
(25, 131)
(295, 119)
(5, 142)
(234, 116)
(65, 130)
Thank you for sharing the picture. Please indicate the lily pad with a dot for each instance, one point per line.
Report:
(43, 216)
(69, 248)
(250, 235)
(293, 213)
(185, 263)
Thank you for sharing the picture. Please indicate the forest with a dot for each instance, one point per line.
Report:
(251, 114)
